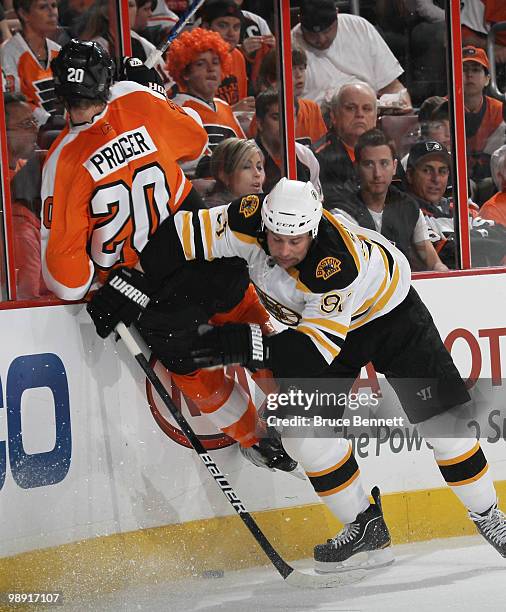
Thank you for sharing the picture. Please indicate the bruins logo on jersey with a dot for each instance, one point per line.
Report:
(327, 267)
(282, 313)
(249, 205)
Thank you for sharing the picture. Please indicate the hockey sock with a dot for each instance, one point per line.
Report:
(465, 469)
(224, 402)
(333, 471)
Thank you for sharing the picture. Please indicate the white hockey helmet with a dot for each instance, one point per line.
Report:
(292, 208)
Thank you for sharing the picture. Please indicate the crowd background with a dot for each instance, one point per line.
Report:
(372, 119)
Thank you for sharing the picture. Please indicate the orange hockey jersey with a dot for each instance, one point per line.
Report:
(309, 124)
(107, 185)
(234, 86)
(217, 118)
(24, 73)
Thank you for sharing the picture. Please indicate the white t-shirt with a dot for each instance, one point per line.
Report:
(358, 53)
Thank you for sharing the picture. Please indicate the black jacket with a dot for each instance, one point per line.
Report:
(400, 216)
(336, 167)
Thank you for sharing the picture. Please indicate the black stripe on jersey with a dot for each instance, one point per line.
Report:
(388, 255)
(337, 340)
(217, 133)
(47, 95)
(337, 479)
(362, 314)
(197, 237)
(464, 470)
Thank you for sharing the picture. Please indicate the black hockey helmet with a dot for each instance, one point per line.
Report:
(82, 70)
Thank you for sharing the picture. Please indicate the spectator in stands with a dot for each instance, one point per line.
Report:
(95, 26)
(438, 126)
(142, 47)
(353, 112)
(427, 175)
(495, 208)
(255, 42)
(477, 17)
(427, 46)
(253, 23)
(163, 16)
(343, 50)
(237, 166)
(378, 205)
(5, 32)
(144, 13)
(309, 124)
(25, 174)
(197, 61)
(427, 107)
(70, 13)
(485, 127)
(269, 141)
(25, 57)
(225, 18)
(434, 123)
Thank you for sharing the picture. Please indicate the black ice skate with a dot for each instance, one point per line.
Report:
(492, 526)
(365, 543)
(269, 453)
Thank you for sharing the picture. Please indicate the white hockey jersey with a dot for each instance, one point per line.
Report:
(349, 277)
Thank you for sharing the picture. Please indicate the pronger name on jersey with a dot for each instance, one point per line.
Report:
(118, 152)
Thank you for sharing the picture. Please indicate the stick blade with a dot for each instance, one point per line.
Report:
(313, 580)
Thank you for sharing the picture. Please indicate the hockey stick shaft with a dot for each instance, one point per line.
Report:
(279, 563)
(174, 33)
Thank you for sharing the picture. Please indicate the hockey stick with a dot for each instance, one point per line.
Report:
(156, 54)
(287, 572)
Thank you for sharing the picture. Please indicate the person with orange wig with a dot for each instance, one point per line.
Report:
(197, 61)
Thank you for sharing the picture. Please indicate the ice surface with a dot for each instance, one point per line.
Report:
(453, 574)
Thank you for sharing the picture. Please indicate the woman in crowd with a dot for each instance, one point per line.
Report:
(237, 166)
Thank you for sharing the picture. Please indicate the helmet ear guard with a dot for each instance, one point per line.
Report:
(292, 208)
(82, 70)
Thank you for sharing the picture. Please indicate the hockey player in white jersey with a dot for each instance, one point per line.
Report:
(344, 293)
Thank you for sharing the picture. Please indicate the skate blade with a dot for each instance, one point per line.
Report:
(364, 560)
(315, 580)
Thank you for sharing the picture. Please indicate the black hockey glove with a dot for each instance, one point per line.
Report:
(132, 69)
(123, 297)
(227, 344)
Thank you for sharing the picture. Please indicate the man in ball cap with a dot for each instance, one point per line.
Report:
(342, 49)
(485, 125)
(427, 173)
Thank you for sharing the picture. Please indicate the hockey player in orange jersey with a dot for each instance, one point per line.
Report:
(110, 179)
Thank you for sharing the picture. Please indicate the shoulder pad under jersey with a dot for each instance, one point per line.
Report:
(244, 214)
(332, 261)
